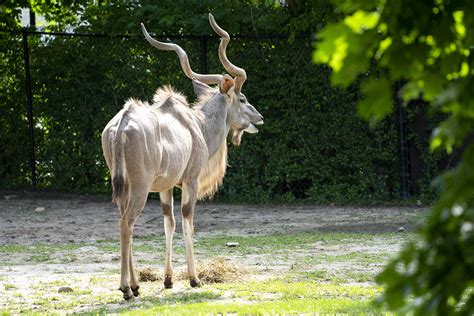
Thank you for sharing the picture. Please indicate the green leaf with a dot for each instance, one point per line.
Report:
(346, 52)
(361, 21)
(411, 90)
(451, 132)
(459, 25)
(377, 102)
(349, 6)
(332, 47)
(405, 61)
(444, 136)
(383, 47)
(432, 84)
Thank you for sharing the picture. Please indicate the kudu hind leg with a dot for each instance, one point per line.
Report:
(170, 226)
(125, 242)
(133, 276)
(188, 203)
(132, 208)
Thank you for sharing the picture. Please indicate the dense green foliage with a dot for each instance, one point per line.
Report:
(57, 14)
(312, 146)
(428, 45)
(287, 160)
(13, 122)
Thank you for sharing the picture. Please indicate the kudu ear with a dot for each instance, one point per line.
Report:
(226, 85)
(200, 88)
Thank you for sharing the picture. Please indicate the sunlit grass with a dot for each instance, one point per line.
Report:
(326, 273)
(270, 297)
(342, 276)
(285, 306)
(302, 289)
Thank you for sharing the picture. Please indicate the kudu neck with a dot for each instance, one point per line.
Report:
(214, 124)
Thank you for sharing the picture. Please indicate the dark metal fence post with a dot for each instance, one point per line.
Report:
(203, 58)
(29, 97)
(404, 154)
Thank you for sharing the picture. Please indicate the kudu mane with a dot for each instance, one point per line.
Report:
(212, 175)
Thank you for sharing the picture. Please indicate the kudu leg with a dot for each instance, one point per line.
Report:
(125, 242)
(131, 209)
(188, 202)
(133, 276)
(170, 226)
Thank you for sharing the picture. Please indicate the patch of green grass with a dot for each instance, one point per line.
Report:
(101, 279)
(68, 258)
(319, 275)
(340, 276)
(40, 248)
(48, 284)
(303, 289)
(108, 246)
(111, 271)
(346, 276)
(46, 299)
(50, 253)
(41, 257)
(9, 286)
(351, 257)
(256, 298)
(6, 248)
(148, 247)
(287, 306)
(150, 238)
(183, 298)
(269, 297)
(145, 245)
(285, 242)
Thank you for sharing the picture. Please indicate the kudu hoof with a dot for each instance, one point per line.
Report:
(168, 283)
(127, 293)
(135, 291)
(195, 283)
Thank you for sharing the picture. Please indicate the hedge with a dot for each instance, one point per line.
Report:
(312, 147)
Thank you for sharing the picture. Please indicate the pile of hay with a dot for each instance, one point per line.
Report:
(218, 270)
(148, 275)
(215, 270)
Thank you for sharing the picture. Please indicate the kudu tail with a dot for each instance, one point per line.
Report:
(118, 187)
(119, 182)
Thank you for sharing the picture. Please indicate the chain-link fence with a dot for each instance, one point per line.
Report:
(59, 90)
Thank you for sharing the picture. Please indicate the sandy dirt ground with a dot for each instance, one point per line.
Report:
(36, 218)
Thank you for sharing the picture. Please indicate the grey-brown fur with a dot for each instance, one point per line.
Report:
(153, 148)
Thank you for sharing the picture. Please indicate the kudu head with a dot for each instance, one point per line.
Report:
(241, 114)
(242, 108)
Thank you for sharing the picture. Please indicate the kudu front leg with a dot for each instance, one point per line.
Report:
(188, 203)
(166, 199)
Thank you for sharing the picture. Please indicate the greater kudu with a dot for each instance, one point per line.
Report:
(153, 148)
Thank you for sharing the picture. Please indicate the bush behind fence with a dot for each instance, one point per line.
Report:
(313, 147)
